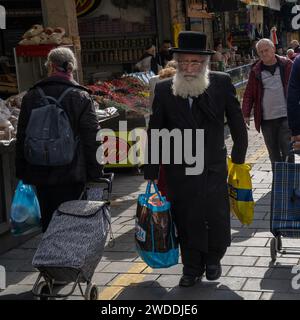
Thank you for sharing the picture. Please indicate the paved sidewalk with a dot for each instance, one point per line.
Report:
(247, 269)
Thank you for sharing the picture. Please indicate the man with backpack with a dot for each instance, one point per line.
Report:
(56, 139)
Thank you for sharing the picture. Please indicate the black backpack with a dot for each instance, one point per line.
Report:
(49, 137)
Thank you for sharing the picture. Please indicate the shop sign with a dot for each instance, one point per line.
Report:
(197, 9)
(296, 18)
(2, 18)
(274, 4)
(85, 7)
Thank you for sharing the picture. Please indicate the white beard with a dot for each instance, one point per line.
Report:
(190, 88)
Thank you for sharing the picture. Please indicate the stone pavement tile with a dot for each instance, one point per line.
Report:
(27, 278)
(261, 191)
(236, 224)
(17, 292)
(225, 283)
(116, 227)
(280, 262)
(167, 281)
(19, 254)
(260, 215)
(239, 261)
(101, 265)
(235, 251)
(126, 221)
(253, 242)
(265, 285)
(31, 244)
(263, 234)
(242, 233)
(283, 273)
(279, 296)
(225, 269)
(174, 270)
(197, 292)
(235, 295)
(127, 229)
(261, 186)
(260, 224)
(121, 267)
(11, 265)
(126, 280)
(121, 247)
(261, 208)
(250, 272)
(102, 279)
(119, 256)
(141, 293)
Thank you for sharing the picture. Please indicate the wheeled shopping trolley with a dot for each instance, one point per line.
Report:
(73, 244)
(285, 206)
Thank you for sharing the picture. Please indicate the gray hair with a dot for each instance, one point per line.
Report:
(63, 59)
(265, 41)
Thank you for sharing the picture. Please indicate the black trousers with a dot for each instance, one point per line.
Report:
(51, 197)
(194, 261)
(277, 136)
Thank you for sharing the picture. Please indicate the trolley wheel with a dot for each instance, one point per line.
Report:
(273, 249)
(279, 243)
(43, 288)
(91, 292)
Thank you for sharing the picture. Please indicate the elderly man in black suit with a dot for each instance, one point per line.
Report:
(197, 98)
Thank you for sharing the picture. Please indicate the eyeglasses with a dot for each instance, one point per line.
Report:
(190, 63)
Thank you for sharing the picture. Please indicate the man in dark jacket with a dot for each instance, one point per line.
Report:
(59, 184)
(198, 99)
(293, 103)
(266, 92)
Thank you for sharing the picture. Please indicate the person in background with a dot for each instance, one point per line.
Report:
(59, 184)
(295, 46)
(266, 93)
(164, 56)
(167, 72)
(253, 51)
(280, 51)
(196, 98)
(291, 54)
(148, 61)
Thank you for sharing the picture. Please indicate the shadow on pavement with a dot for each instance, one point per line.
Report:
(201, 291)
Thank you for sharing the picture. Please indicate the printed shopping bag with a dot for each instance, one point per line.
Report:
(155, 235)
(25, 215)
(240, 191)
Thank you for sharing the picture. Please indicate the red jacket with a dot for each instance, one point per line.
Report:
(254, 90)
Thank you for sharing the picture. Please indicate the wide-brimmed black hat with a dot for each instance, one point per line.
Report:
(192, 42)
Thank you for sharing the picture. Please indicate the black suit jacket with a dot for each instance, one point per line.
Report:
(208, 111)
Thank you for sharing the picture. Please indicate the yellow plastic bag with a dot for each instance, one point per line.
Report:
(240, 192)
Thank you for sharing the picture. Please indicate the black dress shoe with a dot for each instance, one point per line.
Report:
(213, 271)
(188, 281)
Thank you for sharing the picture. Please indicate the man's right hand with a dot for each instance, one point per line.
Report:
(296, 144)
(247, 122)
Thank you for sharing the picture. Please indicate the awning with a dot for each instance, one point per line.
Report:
(264, 3)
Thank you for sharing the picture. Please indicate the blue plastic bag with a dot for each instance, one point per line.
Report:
(155, 232)
(25, 214)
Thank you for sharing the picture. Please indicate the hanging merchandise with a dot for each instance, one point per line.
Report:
(273, 35)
